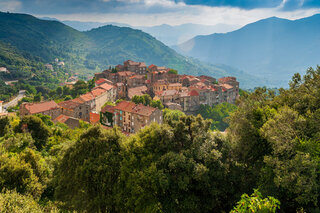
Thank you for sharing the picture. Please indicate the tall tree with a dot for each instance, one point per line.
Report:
(87, 177)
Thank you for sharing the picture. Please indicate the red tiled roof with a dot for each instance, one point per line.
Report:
(125, 73)
(137, 91)
(97, 91)
(61, 118)
(35, 108)
(143, 110)
(108, 108)
(142, 64)
(94, 118)
(126, 106)
(226, 79)
(105, 86)
(151, 66)
(193, 93)
(137, 76)
(71, 104)
(100, 81)
(87, 97)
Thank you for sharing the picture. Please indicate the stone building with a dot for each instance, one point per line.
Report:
(190, 101)
(131, 117)
(50, 108)
(76, 108)
(69, 121)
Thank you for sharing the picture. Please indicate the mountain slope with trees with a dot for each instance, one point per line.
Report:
(92, 51)
(272, 48)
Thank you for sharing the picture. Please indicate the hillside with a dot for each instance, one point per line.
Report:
(91, 51)
(272, 48)
(173, 35)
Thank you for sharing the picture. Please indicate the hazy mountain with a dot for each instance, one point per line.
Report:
(169, 35)
(94, 50)
(173, 35)
(272, 48)
(86, 26)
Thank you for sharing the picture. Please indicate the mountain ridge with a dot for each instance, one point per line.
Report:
(92, 51)
(271, 48)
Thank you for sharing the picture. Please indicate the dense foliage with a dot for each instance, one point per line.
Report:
(147, 101)
(218, 113)
(270, 150)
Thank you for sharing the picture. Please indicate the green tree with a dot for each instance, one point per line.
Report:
(59, 91)
(4, 125)
(87, 177)
(174, 168)
(11, 201)
(256, 204)
(172, 71)
(39, 131)
(156, 104)
(25, 172)
(37, 97)
(218, 114)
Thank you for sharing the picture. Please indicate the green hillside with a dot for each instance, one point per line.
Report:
(92, 51)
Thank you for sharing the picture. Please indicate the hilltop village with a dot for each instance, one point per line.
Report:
(109, 102)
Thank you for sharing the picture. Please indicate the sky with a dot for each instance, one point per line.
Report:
(157, 12)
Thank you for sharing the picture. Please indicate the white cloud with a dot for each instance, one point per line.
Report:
(10, 5)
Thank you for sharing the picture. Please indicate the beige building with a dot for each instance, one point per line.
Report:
(131, 117)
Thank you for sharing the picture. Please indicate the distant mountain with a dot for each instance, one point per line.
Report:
(169, 35)
(272, 48)
(86, 26)
(94, 50)
(173, 35)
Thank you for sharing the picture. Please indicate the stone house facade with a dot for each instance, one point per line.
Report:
(50, 108)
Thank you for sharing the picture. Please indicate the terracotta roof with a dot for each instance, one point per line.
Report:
(137, 76)
(108, 108)
(119, 84)
(133, 108)
(142, 64)
(226, 79)
(61, 118)
(100, 81)
(97, 91)
(226, 86)
(71, 104)
(151, 66)
(87, 97)
(105, 86)
(125, 73)
(193, 93)
(35, 108)
(143, 110)
(94, 118)
(137, 91)
(126, 106)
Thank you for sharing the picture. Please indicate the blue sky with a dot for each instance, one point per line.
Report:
(174, 12)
